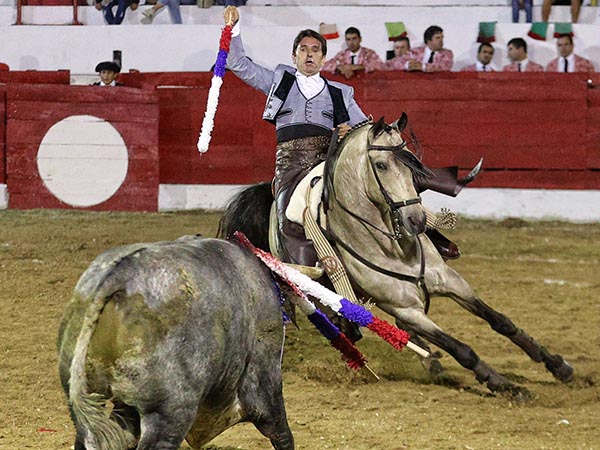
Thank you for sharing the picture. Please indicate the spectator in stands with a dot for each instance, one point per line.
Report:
(4, 67)
(108, 71)
(174, 9)
(401, 47)
(432, 57)
(401, 55)
(304, 108)
(354, 58)
(517, 5)
(517, 53)
(568, 61)
(547, 7)
(122, 5)
(485, 53)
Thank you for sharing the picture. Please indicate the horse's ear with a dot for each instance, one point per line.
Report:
(378, 128)
(401, 123)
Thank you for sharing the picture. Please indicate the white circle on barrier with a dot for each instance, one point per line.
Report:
(82, 160)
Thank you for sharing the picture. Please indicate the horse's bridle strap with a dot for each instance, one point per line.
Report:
(418, 281)
(411, 201)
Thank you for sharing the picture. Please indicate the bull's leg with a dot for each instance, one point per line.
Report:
(261, 395)
(464, 296)
(464, 355)
(165, 430)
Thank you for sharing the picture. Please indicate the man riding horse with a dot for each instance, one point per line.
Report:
(305, 109)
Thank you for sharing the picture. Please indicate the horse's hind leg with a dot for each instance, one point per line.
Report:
(416, 320)
(465, 297)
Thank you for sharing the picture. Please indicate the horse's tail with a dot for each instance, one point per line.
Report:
(248, 211)
(89, 409)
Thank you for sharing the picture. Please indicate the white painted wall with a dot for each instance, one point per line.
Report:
(481, 203)
(268, 33)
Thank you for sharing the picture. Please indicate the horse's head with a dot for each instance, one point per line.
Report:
(378, 158)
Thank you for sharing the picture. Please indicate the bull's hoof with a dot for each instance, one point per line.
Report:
(561, 369)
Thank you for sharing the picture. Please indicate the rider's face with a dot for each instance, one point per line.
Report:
(309, 56)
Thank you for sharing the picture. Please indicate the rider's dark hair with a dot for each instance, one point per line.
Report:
(430, 32)
(312, 34)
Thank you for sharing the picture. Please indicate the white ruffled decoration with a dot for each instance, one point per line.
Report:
(209, 116)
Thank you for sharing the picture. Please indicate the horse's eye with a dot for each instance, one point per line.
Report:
(381, 166)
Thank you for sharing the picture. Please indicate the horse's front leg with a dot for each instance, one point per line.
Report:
(461, 292)
(415, 319)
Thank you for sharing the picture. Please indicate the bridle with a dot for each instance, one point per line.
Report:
(395, 214)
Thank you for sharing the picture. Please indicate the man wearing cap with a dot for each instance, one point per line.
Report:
(485, 53)
(432, 57)
(354, 58)
(108, 71)
(568, 61)
(107, 9)
(517, 53)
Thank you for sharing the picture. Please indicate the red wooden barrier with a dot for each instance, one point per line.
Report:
(33, 109)
(2, 135)
(34, 76)
(533, 130)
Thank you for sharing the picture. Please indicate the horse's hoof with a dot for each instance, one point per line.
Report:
(432, 365)
(510, 390)
(562, 372)
(518, 394)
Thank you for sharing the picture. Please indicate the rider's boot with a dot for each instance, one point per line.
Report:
(446, 248)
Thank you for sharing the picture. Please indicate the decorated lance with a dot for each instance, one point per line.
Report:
(215, 87)
(396, 337)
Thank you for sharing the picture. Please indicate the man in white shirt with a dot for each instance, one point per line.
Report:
(517, 53)
(485, 53)
(305, 108)
(568, 61)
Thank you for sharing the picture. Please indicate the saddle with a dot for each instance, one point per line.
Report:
(314, 180)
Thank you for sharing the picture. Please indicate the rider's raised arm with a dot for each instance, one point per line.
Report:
(257, 76)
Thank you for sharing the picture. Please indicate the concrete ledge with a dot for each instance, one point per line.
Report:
(481, 203)
(551, 204)
(186, 196)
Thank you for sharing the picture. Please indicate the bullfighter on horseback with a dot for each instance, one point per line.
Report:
(305, 109)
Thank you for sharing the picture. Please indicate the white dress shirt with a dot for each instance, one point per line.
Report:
(310, 86)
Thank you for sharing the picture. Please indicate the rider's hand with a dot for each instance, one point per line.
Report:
(231, 15)
(343, 129)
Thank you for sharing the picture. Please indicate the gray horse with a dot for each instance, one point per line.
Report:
(173, 340)
(376, 222)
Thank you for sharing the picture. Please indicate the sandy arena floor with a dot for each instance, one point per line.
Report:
(544, 276)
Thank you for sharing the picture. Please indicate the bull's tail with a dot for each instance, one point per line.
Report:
(248, 212)
(92, 421)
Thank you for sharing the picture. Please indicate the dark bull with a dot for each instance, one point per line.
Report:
(170, 341)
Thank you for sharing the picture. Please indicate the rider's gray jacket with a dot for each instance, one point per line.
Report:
(286, 106)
